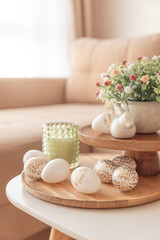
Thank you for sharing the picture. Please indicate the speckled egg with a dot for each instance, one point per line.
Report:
(85, 180)
(34, 166)
(125, 178)
(55, 171)
(105, 169)
(125, 161)
(34, 153)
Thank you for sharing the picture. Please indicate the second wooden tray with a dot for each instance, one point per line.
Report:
(147, 190)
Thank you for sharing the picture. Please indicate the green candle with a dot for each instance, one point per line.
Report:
(60, 140)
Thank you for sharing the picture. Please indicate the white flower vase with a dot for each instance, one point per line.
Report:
(146, 116)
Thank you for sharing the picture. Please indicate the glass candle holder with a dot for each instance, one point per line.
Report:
(60, 140)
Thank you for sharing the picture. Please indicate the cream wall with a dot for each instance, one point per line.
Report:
(126, 18)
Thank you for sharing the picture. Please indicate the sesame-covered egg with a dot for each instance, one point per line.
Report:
(34, 166)
(125, 178)
(34, 153)
(105, 169)
(85, 180)
(125, 161)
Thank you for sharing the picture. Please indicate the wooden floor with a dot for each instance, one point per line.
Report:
(43, 235)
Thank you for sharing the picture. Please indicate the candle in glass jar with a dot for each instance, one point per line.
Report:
(60, 140)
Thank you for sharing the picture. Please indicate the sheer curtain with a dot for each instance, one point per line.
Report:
(33, 38)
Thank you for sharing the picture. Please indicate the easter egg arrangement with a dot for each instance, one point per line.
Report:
(132, 92)
(84, 179)
(101, 181)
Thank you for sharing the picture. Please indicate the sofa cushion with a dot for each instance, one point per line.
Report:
(90, 57)
(21, 130)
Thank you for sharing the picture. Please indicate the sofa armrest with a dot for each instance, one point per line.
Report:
(28, 92)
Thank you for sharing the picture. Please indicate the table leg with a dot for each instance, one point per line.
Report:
(56, 235)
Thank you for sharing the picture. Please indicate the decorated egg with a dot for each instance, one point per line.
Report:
(34, 153)
(103, 121)
(125, 178)
(85, 180)
(33, 167)
(105, 169)
(55, 171)
(125, 161)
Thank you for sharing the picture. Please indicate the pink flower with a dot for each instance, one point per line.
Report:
(139, 58)
(133, 77)
(158, 74)
(97, 93)
(109, 82)
(124, 62)
(144, 79)
(118, 87)
(120, 66)
(107, 75)
(115, 72)
(98, 84)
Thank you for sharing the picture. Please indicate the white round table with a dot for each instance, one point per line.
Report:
(142, 222)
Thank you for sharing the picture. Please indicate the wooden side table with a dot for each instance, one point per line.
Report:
(141, 222)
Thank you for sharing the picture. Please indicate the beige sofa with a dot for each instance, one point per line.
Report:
(28, 103)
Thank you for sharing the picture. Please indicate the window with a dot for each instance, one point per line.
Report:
(33, 38)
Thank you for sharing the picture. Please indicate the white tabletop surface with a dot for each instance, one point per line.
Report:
(134, 223)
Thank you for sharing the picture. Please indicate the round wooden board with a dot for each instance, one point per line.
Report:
(147, 190)
(140, 142)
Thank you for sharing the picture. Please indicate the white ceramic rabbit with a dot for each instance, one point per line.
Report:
(123, 126)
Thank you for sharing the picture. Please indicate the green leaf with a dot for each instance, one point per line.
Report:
(158, 98)
(147, 83)
(156, 90)
(144, 86)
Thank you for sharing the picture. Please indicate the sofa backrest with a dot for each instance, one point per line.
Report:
(90, 57)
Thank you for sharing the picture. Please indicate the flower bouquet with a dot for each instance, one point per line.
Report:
(138, 82)
(138, 86)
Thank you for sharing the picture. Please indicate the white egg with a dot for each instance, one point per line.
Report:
(103, 122)
(125, 178)
(33, 167)
(56, 170)
(85, 180)
(104, 169)
(34, 153)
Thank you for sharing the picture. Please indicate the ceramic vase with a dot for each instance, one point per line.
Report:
(146, 116)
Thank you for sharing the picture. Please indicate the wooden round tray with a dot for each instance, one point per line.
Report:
(147, 190)
(139, 143)
(142, 147)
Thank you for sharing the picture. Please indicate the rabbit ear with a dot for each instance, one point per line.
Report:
(124, 106)
(118, 110)
(126, 119)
